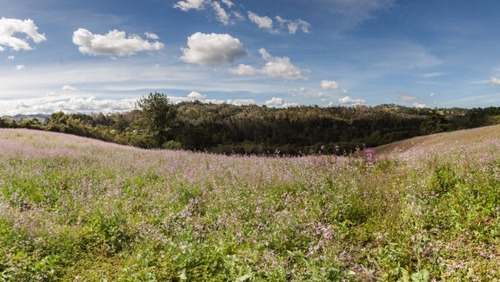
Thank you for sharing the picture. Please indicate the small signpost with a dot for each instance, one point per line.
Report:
(370, 156)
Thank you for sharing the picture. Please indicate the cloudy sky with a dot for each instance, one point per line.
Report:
(93, 56)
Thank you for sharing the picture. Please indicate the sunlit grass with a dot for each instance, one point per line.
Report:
(78, 209)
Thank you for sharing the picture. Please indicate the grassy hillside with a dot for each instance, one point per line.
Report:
(79, 209)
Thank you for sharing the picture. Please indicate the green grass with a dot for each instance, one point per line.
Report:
(82, 210)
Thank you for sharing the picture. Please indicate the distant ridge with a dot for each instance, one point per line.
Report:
(40, 117)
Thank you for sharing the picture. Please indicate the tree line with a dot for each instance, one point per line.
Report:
(229, 129)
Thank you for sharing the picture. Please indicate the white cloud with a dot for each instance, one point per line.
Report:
(432, 94)
(86, 105)
(241, 102)
(275, 102)
(419, 106)
(495, 81)
(238, 15)
(222, 15)
(348, 101)
(115, 43)
(52, 104)
(262, 22)
(345, 91)
(187, 5)
(293, 26)
(11, 27)
(265, 55)
(236, 102)
(196, 96)
(228, 3)
(277, 67)
(329, 85)
(20, 67)
(212, 49)
(11, 57)
(279, 103)
(280, 67)
(152, 36)
(69, 88)
(243, 69)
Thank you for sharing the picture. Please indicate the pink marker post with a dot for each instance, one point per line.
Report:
(370, 156)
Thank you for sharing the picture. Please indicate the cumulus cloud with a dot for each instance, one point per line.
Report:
(152, 36)
(20, 67)
(280, 67)
(236, 102)
(52, 104)
(196, 96)
(115, 43)
(329, 85)
(69, 88)
(279, 103)
(262, 22)
(275, 102)
(293, 26)
(212, 49)
(187, 5)
(11, 57)
(495, 81)
(349, 101)
(419, 106)
(277, 67)
(11, 27)
(87, 105)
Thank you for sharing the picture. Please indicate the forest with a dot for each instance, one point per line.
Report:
(259, 130)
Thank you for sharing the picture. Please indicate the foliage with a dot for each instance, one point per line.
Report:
(228, 129)
(79, 209)
(156, 115)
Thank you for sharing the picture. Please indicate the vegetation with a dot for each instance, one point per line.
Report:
(228, 129)
(78, 209)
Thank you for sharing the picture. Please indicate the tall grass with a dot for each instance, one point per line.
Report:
(79, 209)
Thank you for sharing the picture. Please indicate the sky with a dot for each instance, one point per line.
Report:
(101, 56)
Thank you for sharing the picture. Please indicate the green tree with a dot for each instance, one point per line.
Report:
(156, 117)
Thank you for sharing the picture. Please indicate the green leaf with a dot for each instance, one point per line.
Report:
(243, 278)
(421, 276)
(182, 274)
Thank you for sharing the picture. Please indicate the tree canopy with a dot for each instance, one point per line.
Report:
(224, 128)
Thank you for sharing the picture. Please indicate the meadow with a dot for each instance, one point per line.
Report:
(78, 209)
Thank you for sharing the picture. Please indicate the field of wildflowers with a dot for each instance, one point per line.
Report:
(78, 209)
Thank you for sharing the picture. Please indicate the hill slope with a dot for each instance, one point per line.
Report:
(443, 140)
(74, 208)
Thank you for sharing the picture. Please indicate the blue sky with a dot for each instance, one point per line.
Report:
(93, 56)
